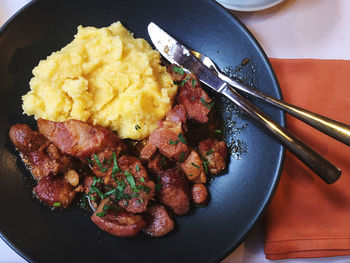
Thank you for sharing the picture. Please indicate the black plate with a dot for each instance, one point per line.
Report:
(237, 198)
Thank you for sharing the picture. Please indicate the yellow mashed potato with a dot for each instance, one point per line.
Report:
(104, 76)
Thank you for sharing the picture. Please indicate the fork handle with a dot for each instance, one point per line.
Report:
(322, 167)
(337, 130)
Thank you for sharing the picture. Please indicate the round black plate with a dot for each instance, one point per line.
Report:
(237, 198)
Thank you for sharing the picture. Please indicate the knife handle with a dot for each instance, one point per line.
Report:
(337, 130)
(322, 167)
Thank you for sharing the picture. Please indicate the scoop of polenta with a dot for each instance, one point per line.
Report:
(104, 76)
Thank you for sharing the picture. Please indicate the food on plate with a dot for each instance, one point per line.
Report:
(80, 148)
(104, 76)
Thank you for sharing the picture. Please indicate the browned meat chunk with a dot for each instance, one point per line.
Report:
(55, 191)
(177, 114)
(42, 157)
(193, 167)
(78, 138)
(25, 139)
(196, 101)
(119, 223)
(158, 221)
(158, 163)
(199, 193)
(169, 140)
(215, 152)
(176, 73)
(174, 191)
(130, 177)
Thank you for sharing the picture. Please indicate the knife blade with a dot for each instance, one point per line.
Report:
(177, 53)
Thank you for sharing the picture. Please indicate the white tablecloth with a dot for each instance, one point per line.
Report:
(292, 29)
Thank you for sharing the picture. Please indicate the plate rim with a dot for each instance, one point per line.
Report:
(281, 156)
(249, 8)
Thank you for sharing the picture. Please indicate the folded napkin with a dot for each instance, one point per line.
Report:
(308, 218)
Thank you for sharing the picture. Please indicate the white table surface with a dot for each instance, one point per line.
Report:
(292, 29)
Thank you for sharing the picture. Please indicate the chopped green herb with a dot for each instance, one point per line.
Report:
(176, 82)
(141, 199)
(90, 162)
(131, 181)
(137, 127)
(137, 167)
(135, 194)
(190, 175)
(99, 164)
(126, 203)
(117, 210)
(195, 165)
(142, 180)
(185, 80)
(57, 204)
(97, 180)
(206, 105)
(115, 168)
(171, 142)
(217, 131)
(178, 70)
(194, 83)
(94, 189)
(205, 165)
(102, 214)
(182, 138)
(106, 207)
(182, 157)
(111, 192)
(192, 98)
(144, 188)
(210, 152)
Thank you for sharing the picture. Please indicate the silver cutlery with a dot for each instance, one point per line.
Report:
(337, 130)
(176, 53)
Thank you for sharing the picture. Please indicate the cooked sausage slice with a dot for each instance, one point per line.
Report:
(119, 223)
(55, 191)
(199, 193)
(174, 191)
(158, 221)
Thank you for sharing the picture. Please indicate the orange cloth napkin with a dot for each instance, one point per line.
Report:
(308, 218)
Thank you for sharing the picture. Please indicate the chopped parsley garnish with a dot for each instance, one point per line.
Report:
(185, 80)
(102, 214)
(205, 165)
(195, 165)
(144, 188)
(182, 138)
(111, 192)
(115, 168)
(192, 98)
(90, 162)
(97, 180)
(137, 127)
(142, 180)
(94, 189)
(178, 70)
(176, 82)
(190, 175)
(217, 131)
(126, 203)
(106, 207)
(138, 168)
(171, 142)
(182, 157)
(206, 105)
(194, 83)
(57, 204)
(210, 152)
(131, 181)
(103, 169)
